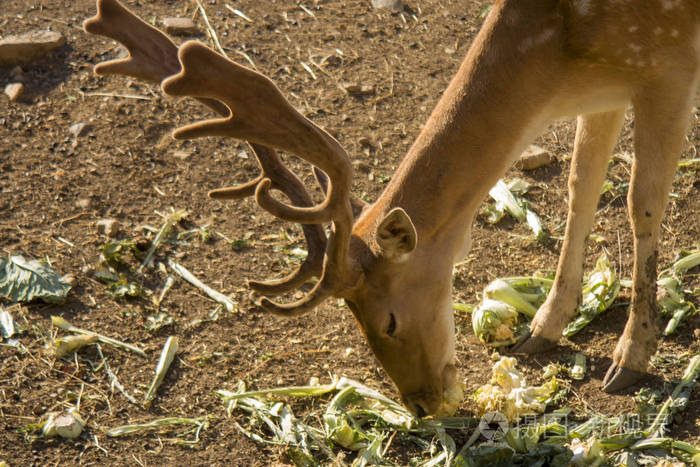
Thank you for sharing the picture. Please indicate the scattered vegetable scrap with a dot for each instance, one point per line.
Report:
(509, 394)
(166, 358)
(24, 280)
(495, 320)
(508, 200)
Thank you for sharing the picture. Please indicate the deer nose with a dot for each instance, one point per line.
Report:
(422, 404)
(415, 407)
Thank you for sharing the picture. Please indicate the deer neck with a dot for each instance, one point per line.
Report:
(490, 111)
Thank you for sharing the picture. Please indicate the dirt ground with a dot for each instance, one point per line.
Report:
(55, 187)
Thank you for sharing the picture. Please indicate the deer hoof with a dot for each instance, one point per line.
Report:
(530, 343)
(619, 377)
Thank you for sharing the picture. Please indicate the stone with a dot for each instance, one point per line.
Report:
(70, 279)
(14, 91)
(182, 154)
(395, 5)
(362, 166)
(180, 26)
(534, 157)
(359, 89)
(108, 227)
(80, 129)
(24, 48)
(365, 141)
(83, 203)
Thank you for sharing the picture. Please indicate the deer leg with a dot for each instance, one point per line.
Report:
(596, 135)
(661, 123)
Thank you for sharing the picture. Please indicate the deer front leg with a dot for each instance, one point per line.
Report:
(661, 123)
(596, 135)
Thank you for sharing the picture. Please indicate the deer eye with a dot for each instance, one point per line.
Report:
(391, 329)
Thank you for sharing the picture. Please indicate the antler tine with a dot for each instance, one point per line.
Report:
(284, 180)
(152, 55)
(241, 191)
(260, 114)
(358, 205)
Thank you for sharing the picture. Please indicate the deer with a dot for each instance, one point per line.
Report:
(533, 62)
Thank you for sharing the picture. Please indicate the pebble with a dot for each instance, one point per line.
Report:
(180, 26)
(79, 129)
(364, 141)
(182, 154)
(359, 89)
(395, 5)
(108, 227)
(24, 48)
(70, 279)
(83, 203)
(14, 91)
(534, 157)
(362, 166)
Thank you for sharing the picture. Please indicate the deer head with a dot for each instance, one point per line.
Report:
(374, 257)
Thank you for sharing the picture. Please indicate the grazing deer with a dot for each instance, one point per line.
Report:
(533, 62)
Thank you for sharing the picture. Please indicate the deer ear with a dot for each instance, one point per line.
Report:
(396, 235)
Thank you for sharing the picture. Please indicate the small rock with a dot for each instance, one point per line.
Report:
(362, 166)
(180, 26)
(359, 89)
(14, 91)
(182, 154)
(395, 5)
(79, 129)
(83, 203)
(108, 227)
(533, 157)
(69, 278)
(26, 47)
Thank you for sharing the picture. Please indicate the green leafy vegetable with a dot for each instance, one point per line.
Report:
(507, 200)
(600, 291)
(493, 322)
(509, 394)
(24, 281)
(113, 252)
(670, 294)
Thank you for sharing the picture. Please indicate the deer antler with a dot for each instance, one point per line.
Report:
(153, 57)
(262, 116)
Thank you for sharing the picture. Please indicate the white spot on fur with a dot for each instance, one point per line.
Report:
(635, 48)
(533, 41)
(658, 30)
(633, 28)
(583, 7)
(670, 4)
(629, 61)
(674, 33)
